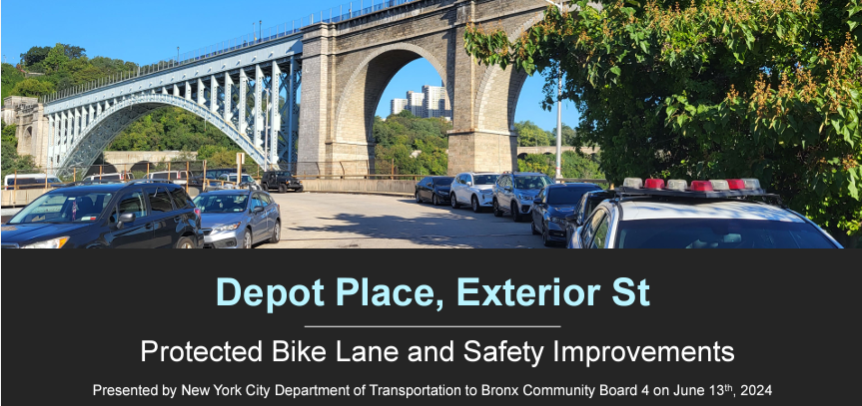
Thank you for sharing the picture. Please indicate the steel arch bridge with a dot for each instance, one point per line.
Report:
(233, 91)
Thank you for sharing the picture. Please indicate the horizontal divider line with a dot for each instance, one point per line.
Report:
(433, 326)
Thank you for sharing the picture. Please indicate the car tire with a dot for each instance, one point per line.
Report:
(246, 240)
(515, 216)
(435, 200)
(546, 241)
(282, 188)
(298, 190)
(474, 202)
(264, 186)
(185, 243)
(454, 201)
(497, 211)
(276, 233)
(533, 228)
(418, 199)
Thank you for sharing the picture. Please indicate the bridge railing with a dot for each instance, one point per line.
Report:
(258, 36)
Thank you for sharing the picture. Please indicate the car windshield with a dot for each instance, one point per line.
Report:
(485, 179)
(67, 206)
(282, 174)
(561, 196)
(245, 178)
(443, 181)
(719, 233)
(220, 203)
(532, 182)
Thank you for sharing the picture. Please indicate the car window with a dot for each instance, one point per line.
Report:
(267, 200)
(181, 199)
(132, 203)
(160, 201)
(255, 201)
(541, 195)
(592, 226)
(601, 234)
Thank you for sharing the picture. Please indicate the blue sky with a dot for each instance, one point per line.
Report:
(144, 32)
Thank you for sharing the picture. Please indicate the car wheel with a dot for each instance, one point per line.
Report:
(246, 240)
(185, 243)
(298, 190)
(276, 233)
(515, 217)
(546, 240)
(454, 201)
(497, 211)
(264, 186)
(533, 228)
(475, 203)
(418, 199)
(282, 188)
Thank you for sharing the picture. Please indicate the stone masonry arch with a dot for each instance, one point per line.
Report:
(362, 92)
(347, 65)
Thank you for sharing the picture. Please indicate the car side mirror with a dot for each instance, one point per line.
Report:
(125, 218)
(469, 183)
(537, 201)
(257, 209)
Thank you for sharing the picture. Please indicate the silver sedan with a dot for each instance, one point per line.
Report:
(238, 218)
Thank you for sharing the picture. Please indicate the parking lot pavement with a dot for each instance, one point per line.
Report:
(317, 220)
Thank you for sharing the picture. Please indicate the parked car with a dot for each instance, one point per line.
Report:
(720, 213)
(118, 215)
(29, 181)
(514, 193)
(589, 201)
(434, 189)
(178, 177)
(475, 189)
(551, 207)
(238, 218)
(281, 181)
(109, 177)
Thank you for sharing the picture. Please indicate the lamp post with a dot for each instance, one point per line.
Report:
(260, 28)
(559, 174)
(178, 55)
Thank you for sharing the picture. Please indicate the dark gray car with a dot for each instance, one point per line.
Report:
(238, 218)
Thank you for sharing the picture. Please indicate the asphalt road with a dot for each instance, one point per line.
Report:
(317, 220)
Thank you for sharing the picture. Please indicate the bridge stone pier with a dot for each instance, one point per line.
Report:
(347, 65)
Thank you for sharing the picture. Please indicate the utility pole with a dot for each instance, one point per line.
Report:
(260, 27)
(178, 55)
(253, 32)
(559, 174)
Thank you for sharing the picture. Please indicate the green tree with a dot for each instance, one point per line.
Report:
(723, 88)
(56, 58)
(11, 161)
(32, 88)
(530, 135)
(569, 135)
(416, 146)
(34, 56)
(8, 79)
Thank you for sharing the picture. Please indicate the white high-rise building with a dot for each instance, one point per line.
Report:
(416, 103)
(398, 105)
(436, 104)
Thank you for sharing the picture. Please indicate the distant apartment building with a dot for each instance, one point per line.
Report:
(398, 105)
(431, 102)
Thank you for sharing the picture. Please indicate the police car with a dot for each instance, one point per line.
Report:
(727, 213)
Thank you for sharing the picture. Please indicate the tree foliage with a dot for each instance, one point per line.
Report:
(401, 134)
(11, 161)
(574, 165)
(531, 135)
(9, 77)
(174, 129)
(32, 88)
(721, 88)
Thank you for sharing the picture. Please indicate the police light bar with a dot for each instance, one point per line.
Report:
(715, 188)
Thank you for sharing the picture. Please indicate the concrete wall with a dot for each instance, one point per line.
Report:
(20, 198)
(133, 157)
(374, 186)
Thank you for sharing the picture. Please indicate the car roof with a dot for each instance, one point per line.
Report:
(528, 174)
(651, 209)
(583, 185)
(229, 192)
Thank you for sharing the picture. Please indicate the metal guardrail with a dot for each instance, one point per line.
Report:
(334, 15)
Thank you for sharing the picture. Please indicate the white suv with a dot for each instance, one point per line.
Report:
(474, 189)
(707, 214)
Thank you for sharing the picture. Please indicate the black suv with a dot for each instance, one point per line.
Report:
(138, 214)
(280, 180)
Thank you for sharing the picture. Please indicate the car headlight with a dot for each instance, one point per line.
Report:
(227, 227)
(54, 243)
(560, 221)
(527, 198)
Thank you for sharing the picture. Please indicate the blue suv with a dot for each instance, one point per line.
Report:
(514, 193)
